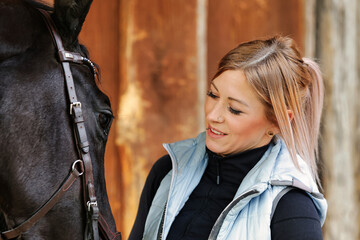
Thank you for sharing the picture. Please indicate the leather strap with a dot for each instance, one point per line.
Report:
(79, 128)
(106, 231)
(70, 179)
(81, 136)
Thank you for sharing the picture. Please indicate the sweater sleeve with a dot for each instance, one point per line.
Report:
(296, 218)
(156, 175)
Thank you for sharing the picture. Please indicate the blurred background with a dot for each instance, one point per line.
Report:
(157, 56)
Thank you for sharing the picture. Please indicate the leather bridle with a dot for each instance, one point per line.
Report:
(81, 167)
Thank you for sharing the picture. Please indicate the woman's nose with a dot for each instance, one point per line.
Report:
(216, 113)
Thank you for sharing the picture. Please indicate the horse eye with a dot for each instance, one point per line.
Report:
(104, 120)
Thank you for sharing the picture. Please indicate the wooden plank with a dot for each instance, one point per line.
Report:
(158, 101)
(338, 48)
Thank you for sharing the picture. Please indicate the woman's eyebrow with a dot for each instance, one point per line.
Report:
(212, 83)
(239, 101)
(231, 98)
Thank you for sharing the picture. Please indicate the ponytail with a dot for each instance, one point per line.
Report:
(313, 109)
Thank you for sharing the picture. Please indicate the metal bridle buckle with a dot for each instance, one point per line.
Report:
(69, 55)
(74, 104)
(89, 204)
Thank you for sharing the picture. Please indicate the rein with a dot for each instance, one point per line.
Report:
(80, 167)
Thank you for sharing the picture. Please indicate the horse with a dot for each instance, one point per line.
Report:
(40, 152)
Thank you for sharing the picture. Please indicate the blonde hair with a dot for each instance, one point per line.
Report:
(284, 81)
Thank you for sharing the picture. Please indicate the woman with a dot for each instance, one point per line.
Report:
(253, 173)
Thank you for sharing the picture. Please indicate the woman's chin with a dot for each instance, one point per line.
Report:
(215, 148)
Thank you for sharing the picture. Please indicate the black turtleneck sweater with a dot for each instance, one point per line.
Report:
(295, 216)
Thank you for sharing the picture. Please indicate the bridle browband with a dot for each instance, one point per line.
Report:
(80, 167)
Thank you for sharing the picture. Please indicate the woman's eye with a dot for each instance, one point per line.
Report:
(233, 111)
(211, 94)
(105, 121)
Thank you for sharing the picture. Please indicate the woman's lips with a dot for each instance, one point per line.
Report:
(215, 133)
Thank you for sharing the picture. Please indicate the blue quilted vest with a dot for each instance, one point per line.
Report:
(249, 215)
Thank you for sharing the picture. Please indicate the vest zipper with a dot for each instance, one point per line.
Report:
(216, 228)
(217, 171)
(161, 227)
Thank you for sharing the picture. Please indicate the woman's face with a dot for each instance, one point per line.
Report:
(235, 117)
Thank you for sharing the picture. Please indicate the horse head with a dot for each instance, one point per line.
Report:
(37, 146)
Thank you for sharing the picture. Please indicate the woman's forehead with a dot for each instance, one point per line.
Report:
(233, 85)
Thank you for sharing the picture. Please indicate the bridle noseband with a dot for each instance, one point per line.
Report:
(80, 167)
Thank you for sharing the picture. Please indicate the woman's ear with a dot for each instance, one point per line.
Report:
(275, 127)
(69, 16)
(290, 115)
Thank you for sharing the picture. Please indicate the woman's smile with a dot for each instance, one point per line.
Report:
(215, 133)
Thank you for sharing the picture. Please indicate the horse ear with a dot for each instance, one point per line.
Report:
(69, 16)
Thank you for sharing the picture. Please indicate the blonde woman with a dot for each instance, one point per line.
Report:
(253, 173)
